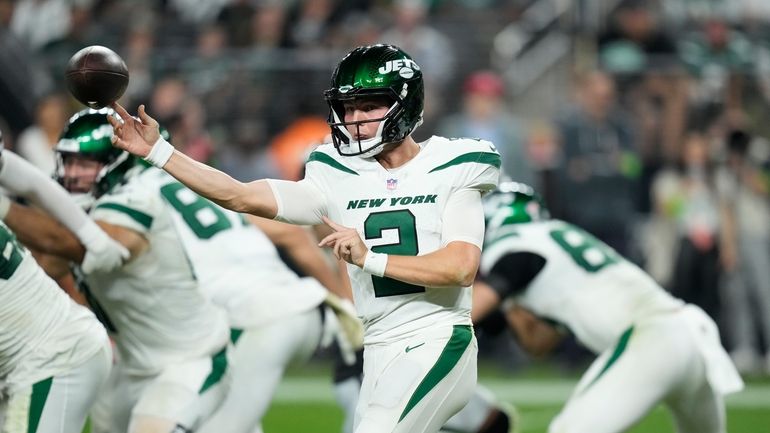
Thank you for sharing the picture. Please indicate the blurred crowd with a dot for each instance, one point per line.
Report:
(654, 137)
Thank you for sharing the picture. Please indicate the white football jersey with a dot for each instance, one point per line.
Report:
(153, 303)
(43, 332)
(584, 285)
(237, 266)
(400, 212)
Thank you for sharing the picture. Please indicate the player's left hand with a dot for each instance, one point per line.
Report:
(102, 253)
(345, 242)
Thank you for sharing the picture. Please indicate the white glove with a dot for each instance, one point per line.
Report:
(351, 328)
(103, 254)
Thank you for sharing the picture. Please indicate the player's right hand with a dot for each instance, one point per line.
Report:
(133, 135)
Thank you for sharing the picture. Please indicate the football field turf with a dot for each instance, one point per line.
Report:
(305, 404)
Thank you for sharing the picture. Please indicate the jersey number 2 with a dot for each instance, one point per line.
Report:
(404, 222)
(202, 216)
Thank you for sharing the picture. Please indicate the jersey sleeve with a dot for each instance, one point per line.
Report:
(463, 218)
(513, 272)
(133, 207)
(481, 162)
(298, 202)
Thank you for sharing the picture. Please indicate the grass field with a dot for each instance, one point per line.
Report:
(305, 404)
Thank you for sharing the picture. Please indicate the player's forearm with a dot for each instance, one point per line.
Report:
(452, 266)
(25, 180)
(311, 261)
(43, 233)
(254, 197)
(485, 300)
(535, 336)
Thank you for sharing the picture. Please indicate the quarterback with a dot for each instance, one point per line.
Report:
(653, 348)
(170, 339)
(54, 353)
(407, 218)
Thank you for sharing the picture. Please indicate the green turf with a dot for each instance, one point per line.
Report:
(327, 418)
(301, 417)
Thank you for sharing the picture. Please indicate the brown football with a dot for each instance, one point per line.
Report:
(96, 76)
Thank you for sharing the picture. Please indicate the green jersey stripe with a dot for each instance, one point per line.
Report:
(40, 392)
(140, 217)
(477, 157)
(619, 349)
(235, 334)
(328, 160)
(453, 351)
(218, 368)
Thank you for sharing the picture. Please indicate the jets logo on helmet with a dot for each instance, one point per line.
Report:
(375, 71)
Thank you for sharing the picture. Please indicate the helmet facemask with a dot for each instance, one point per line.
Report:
(349, 143)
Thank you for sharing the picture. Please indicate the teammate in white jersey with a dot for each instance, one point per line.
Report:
(170, 339)
(275, 316)
(407, 218)
(54, 354)
(653, 348)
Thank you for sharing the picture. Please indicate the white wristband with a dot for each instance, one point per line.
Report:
(375, 263)
(160, 153)
(5, 206)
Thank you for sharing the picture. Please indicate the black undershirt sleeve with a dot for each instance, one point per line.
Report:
(513, 272)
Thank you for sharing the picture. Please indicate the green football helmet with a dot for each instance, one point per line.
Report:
(88, 135)
(375, 71)
(513, 203)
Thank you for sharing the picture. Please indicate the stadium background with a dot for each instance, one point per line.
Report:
(608, 107)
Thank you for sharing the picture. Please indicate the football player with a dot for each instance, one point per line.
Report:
(407, 217)
(652, 347)
(170, 339)
(276, 317)
(54, 353)
(482, 414)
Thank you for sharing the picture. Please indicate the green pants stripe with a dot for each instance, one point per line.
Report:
(450, 356)
(40, 392)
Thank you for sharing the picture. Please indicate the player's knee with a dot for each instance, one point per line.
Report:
(498, 422)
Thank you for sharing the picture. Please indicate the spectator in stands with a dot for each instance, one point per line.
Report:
(719, 58)
(36, 143)
(38, 22)
(430, 48)
(743, 184)
(597, 181)
(485, 115)
(634, 41)
(706, 245)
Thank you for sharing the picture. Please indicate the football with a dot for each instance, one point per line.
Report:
(96, 76)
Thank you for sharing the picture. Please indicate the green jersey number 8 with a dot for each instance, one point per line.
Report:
(403, 221)
(10, 253)
(586, 251)
(203, 217)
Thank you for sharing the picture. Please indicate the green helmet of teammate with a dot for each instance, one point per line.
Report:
(513, 203)
(88, 135)
(382, 72)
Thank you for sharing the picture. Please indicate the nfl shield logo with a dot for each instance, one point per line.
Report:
(392, 183)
